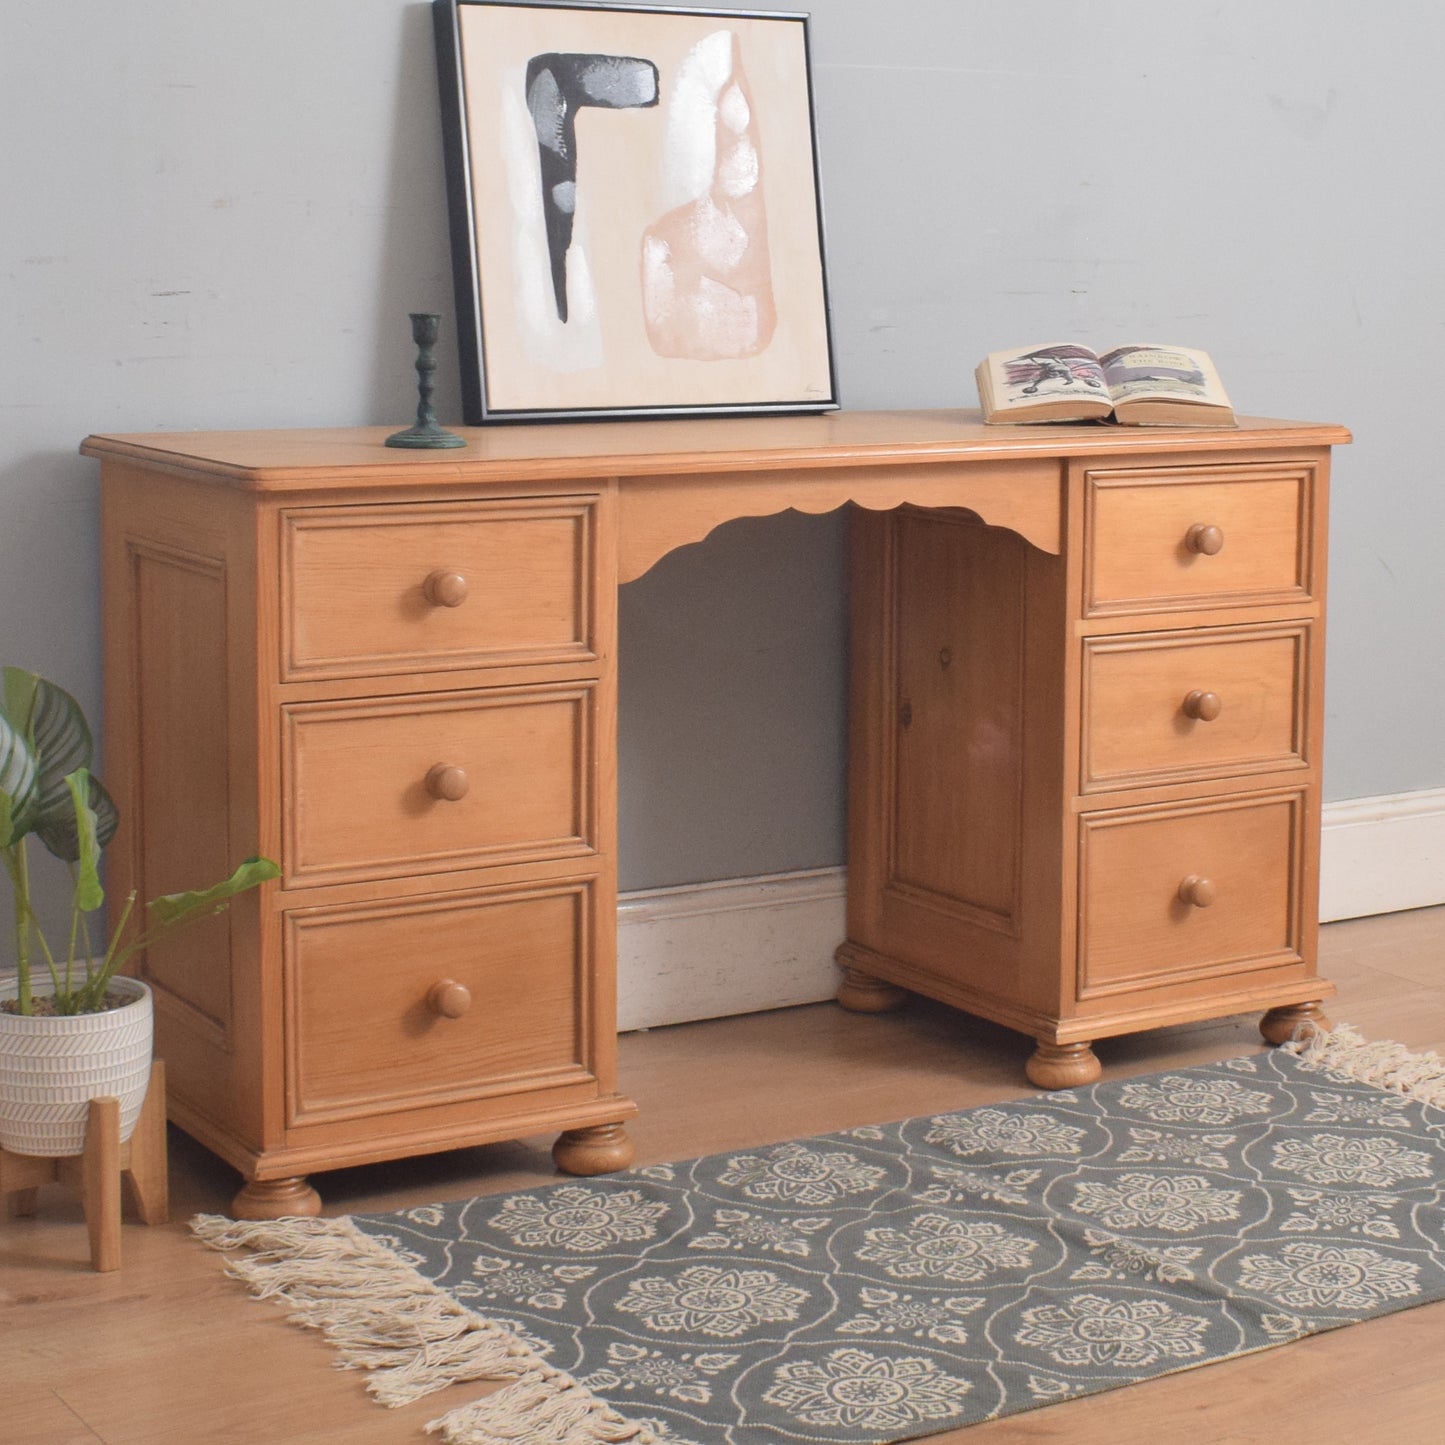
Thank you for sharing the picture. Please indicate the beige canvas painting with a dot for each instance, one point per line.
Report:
(642, 223)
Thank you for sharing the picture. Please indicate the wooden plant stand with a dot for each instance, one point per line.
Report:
(95, 1173)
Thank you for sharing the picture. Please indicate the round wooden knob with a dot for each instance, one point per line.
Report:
(1203, 538)
(449, 998)
(447, 782)
(445, 589)
(1204, 706)
(1197, 891)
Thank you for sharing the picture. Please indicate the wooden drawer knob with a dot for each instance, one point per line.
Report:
(1204, 706)
(1197, 891)
(1204, 538)
(445, 589)
(448, 998)
(447, 782)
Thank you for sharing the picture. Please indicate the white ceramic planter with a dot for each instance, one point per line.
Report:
(51, 1068)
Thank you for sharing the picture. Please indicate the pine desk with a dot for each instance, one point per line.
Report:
(1085, 747)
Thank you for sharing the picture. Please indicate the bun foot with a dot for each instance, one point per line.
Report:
(1293, 1021)
(1063, 1066)
(602, 1149)
(276, 1198)
(861, 993)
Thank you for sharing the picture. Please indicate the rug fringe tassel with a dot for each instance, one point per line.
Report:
(1386, 1065)
(413, 1338)
(533, 1411)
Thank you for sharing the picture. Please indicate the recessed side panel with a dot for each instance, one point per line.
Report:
(180, 721)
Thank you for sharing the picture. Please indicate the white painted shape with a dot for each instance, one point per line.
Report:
(720, 239)
(737, 176)
(582, 300)
(659, 284)
(725, 319)
(1382, 854)
(574, 345)
(733, 109)
(691, 144)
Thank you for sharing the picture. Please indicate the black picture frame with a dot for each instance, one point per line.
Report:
(666, 260)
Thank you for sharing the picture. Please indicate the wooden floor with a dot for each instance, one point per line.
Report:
(167, 1351)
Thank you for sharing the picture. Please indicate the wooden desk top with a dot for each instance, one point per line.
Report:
(318, 458)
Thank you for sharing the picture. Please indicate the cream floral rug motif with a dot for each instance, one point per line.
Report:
(895, 1281)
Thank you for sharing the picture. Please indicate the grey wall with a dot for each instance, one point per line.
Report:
(218, 215)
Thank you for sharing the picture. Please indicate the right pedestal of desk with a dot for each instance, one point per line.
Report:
(1084, 792)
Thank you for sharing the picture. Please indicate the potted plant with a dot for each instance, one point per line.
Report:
(72, 1026)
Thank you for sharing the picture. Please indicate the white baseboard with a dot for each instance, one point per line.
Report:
(1382, 855)
(745, 944)
(733, 947)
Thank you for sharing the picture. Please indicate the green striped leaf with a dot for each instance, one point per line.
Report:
(61, 833)
(51, 722)
(19, 784)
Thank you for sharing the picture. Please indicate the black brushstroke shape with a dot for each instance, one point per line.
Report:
(558, 86)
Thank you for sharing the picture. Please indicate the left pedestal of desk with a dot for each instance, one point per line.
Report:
(397, 678)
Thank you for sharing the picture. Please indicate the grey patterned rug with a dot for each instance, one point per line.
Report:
(891, 1282)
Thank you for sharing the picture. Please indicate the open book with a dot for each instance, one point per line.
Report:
(1145, 385)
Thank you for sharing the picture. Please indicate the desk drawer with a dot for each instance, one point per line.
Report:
(418, 784)
(418, 1002)
(374, 591)
(1195, 537)
(1188, 891)
(1173, 707)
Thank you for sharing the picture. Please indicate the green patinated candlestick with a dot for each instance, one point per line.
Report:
(426, 432)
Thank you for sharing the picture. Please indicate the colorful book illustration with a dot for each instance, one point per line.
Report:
(1141, 385)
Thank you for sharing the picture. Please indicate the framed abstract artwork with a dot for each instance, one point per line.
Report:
(635, 213)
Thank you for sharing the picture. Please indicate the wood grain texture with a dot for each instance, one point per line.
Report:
(957, 788)
(281, 682)
(321, 459)
(1139, 727)
(364, 1041)
(1243, 909)
(1030, 785)
(355, 778)
(305, 632)
(1140, 524)
(356, 603)
(662, 513)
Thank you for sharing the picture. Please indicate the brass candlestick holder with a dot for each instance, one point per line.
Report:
(427, 432)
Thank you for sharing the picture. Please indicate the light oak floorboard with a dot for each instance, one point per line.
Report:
(28, 1415)
(167, 1351)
